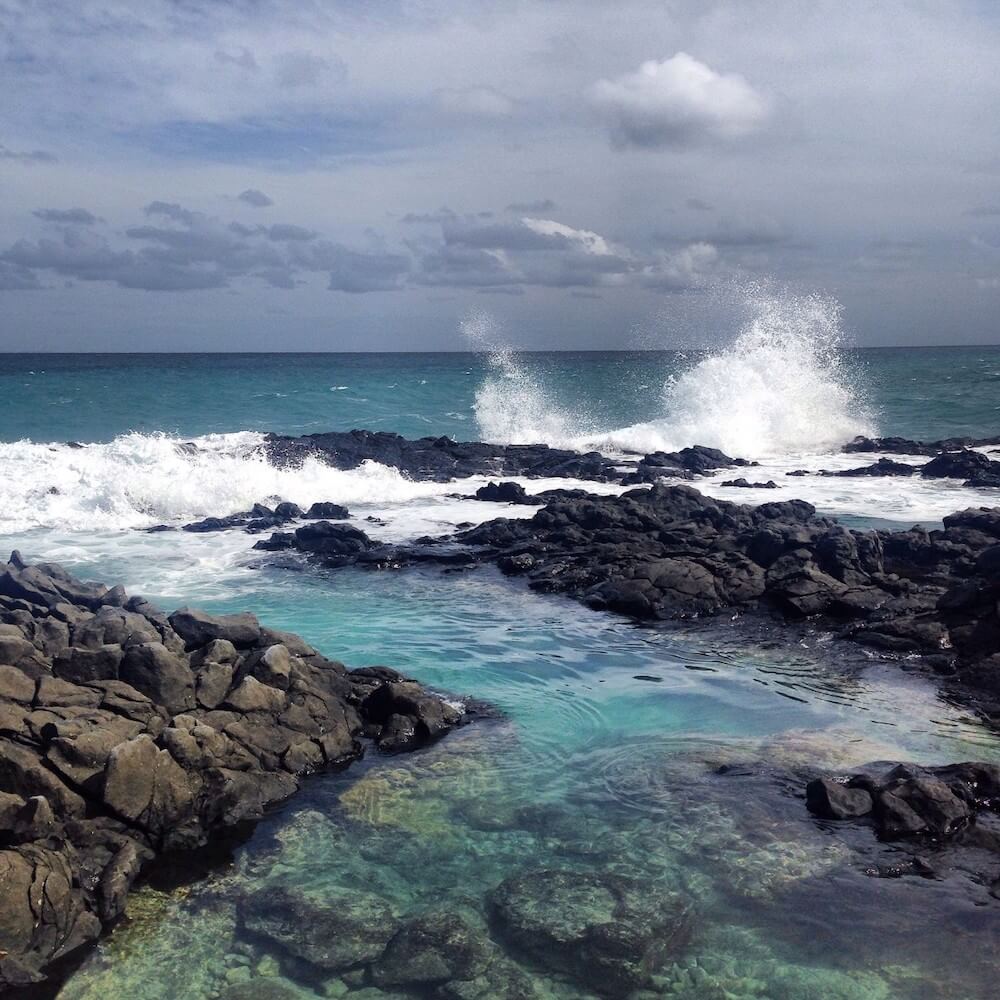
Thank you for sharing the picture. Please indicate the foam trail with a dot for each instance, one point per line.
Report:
(511, 405)
(138, 480)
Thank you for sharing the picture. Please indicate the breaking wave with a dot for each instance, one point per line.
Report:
(782, 386)
(138, 480)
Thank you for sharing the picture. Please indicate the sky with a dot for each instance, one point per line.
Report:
(363, 174)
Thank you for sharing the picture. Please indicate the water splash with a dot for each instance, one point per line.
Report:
(782, 386)
(512, 406)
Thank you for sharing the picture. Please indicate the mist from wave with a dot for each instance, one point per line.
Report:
(783, 385)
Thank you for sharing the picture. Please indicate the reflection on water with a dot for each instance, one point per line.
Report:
(687, 787)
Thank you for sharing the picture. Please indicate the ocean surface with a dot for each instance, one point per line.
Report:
(591, 766)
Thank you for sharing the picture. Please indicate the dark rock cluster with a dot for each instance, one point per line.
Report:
(670, 552)
(930, 808)
(906, 446)
(125, 733)
(610, 934)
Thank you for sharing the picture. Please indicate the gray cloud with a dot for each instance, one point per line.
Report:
(16, 277)
(532, 207)
(71, 216)
(243, 58)
(984, 211)
(283, 233)
(256, 198)
(28, 156)
(677, 102)
(697, 205)
(746, 232)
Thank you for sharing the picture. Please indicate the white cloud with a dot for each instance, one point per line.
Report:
(583, 239)
(677, 102)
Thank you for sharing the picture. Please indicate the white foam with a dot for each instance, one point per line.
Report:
(138, 480)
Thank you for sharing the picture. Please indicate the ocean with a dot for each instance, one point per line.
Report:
(593, 765)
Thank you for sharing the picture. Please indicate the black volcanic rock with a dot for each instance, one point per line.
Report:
(125, 733)
(906, 446)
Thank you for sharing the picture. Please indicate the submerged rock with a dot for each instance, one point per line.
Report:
(124, 733)
(608, 932)
(341, 930)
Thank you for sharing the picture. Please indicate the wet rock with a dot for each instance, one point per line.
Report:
(504, 493)
(432, 948)
(831, 799)
(883, 467)
(607, 932)
(955, 465)
(744, 484)
(342, 930)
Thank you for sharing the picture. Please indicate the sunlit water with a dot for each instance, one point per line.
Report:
(689, 782)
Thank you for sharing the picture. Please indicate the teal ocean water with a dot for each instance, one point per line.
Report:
(684, 783)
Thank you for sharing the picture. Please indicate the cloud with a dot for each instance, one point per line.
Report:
(256, 198)
(675, 103)
(475, 102)
(16, 277)
(531, 207)
(71, 216)
(697, 205)
(283, 232)
(689, 268)
(983, 211)
(443, 214)
(172, 210)
(29, 156)
(305, 69)
(744, 231)
(243, 58)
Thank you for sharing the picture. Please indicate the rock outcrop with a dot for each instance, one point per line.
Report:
(125, 732)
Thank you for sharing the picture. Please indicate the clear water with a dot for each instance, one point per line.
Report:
(591, 768)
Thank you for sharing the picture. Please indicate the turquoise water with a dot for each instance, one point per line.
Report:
(688, 784)
(919, 392)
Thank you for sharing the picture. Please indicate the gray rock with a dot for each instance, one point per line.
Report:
(197, 628)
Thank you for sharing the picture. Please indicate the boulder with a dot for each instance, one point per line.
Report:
(433, 948)
(197, 628)
(341, 930)
(607, 932)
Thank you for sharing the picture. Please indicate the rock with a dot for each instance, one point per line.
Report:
(831, 799)
(328, 512)
(955, 465)
(743, 484)
(605, 931)
(197, 628)
(504, 493)
(162, 676)
(432, 948)
(344, 929)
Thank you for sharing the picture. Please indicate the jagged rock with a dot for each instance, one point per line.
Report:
(504, 493)
(831, 799)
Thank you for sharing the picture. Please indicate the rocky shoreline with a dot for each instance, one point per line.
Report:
(126, 733)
